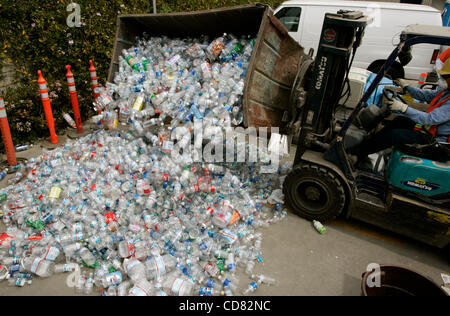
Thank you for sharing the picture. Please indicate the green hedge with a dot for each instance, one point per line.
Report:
(34, 35)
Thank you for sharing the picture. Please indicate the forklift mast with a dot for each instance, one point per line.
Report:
(341, 35)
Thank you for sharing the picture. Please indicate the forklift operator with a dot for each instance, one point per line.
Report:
(414, 127)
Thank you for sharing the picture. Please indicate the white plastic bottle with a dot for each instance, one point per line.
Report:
(69, 120)
(319, 227)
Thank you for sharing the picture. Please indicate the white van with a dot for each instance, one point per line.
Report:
(304, 19)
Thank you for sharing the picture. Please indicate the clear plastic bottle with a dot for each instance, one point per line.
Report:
(178, 286)
(71, 249)
(134, 268)
(263, 279)
(126, 249)
(141, 288)
(80, 284)
(89, 285)
(122, 288)
(48, 253)
(69, 120)
(66, 267)
(110, 279)
(319, 227)
(210, 269)
(215, 48)
(252, 287)
(87, 256)
(41, 267)
(158, 266)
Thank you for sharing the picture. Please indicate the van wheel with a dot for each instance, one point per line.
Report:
(395, 72)
(314, 193)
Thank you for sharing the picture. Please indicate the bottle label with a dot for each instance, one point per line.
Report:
(236, 216)
(55, 192)
(130, 61)
(228, 236)
(160, 266)
(176, 287)
(5, 239)
(131, 265)
(205, 291)
(66, 268)
(131, 249)
(210, 269)
(35, 237)
(110, 217)
(173, 59)
(77, 235)
(51, 254)
(139, 103)
(222, 219)
(35, 265)
(113, 279)
(167, 146)
(20, 282)
(215, 47)
(206, 67)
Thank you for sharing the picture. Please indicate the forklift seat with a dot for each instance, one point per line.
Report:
(435, 151)
(354, 137)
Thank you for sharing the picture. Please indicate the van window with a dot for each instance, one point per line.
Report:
(290, 17)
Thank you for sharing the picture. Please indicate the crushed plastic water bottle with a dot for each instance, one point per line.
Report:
(120, 211)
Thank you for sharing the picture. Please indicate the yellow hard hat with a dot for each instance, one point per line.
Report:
(445, 70)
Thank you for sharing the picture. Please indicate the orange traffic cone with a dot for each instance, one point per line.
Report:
(94, 79)
(47, 108)
(74, 99)
(6, 135)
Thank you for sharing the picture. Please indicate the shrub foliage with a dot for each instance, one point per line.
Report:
(34, 35)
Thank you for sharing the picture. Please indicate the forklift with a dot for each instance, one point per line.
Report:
(411, 196)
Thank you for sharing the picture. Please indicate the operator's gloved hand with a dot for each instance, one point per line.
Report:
(402, 83)
(397, 105)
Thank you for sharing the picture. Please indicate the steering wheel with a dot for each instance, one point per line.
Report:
(390, 94)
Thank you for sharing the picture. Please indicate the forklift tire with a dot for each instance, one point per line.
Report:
(314, 193)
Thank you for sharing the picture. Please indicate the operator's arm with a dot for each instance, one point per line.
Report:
(436, 117)
(426, 95)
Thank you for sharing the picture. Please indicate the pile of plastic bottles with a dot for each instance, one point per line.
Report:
(176, 79)
(111, 203)
(126, 211)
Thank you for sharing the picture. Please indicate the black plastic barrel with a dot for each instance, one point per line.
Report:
(399, 281)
